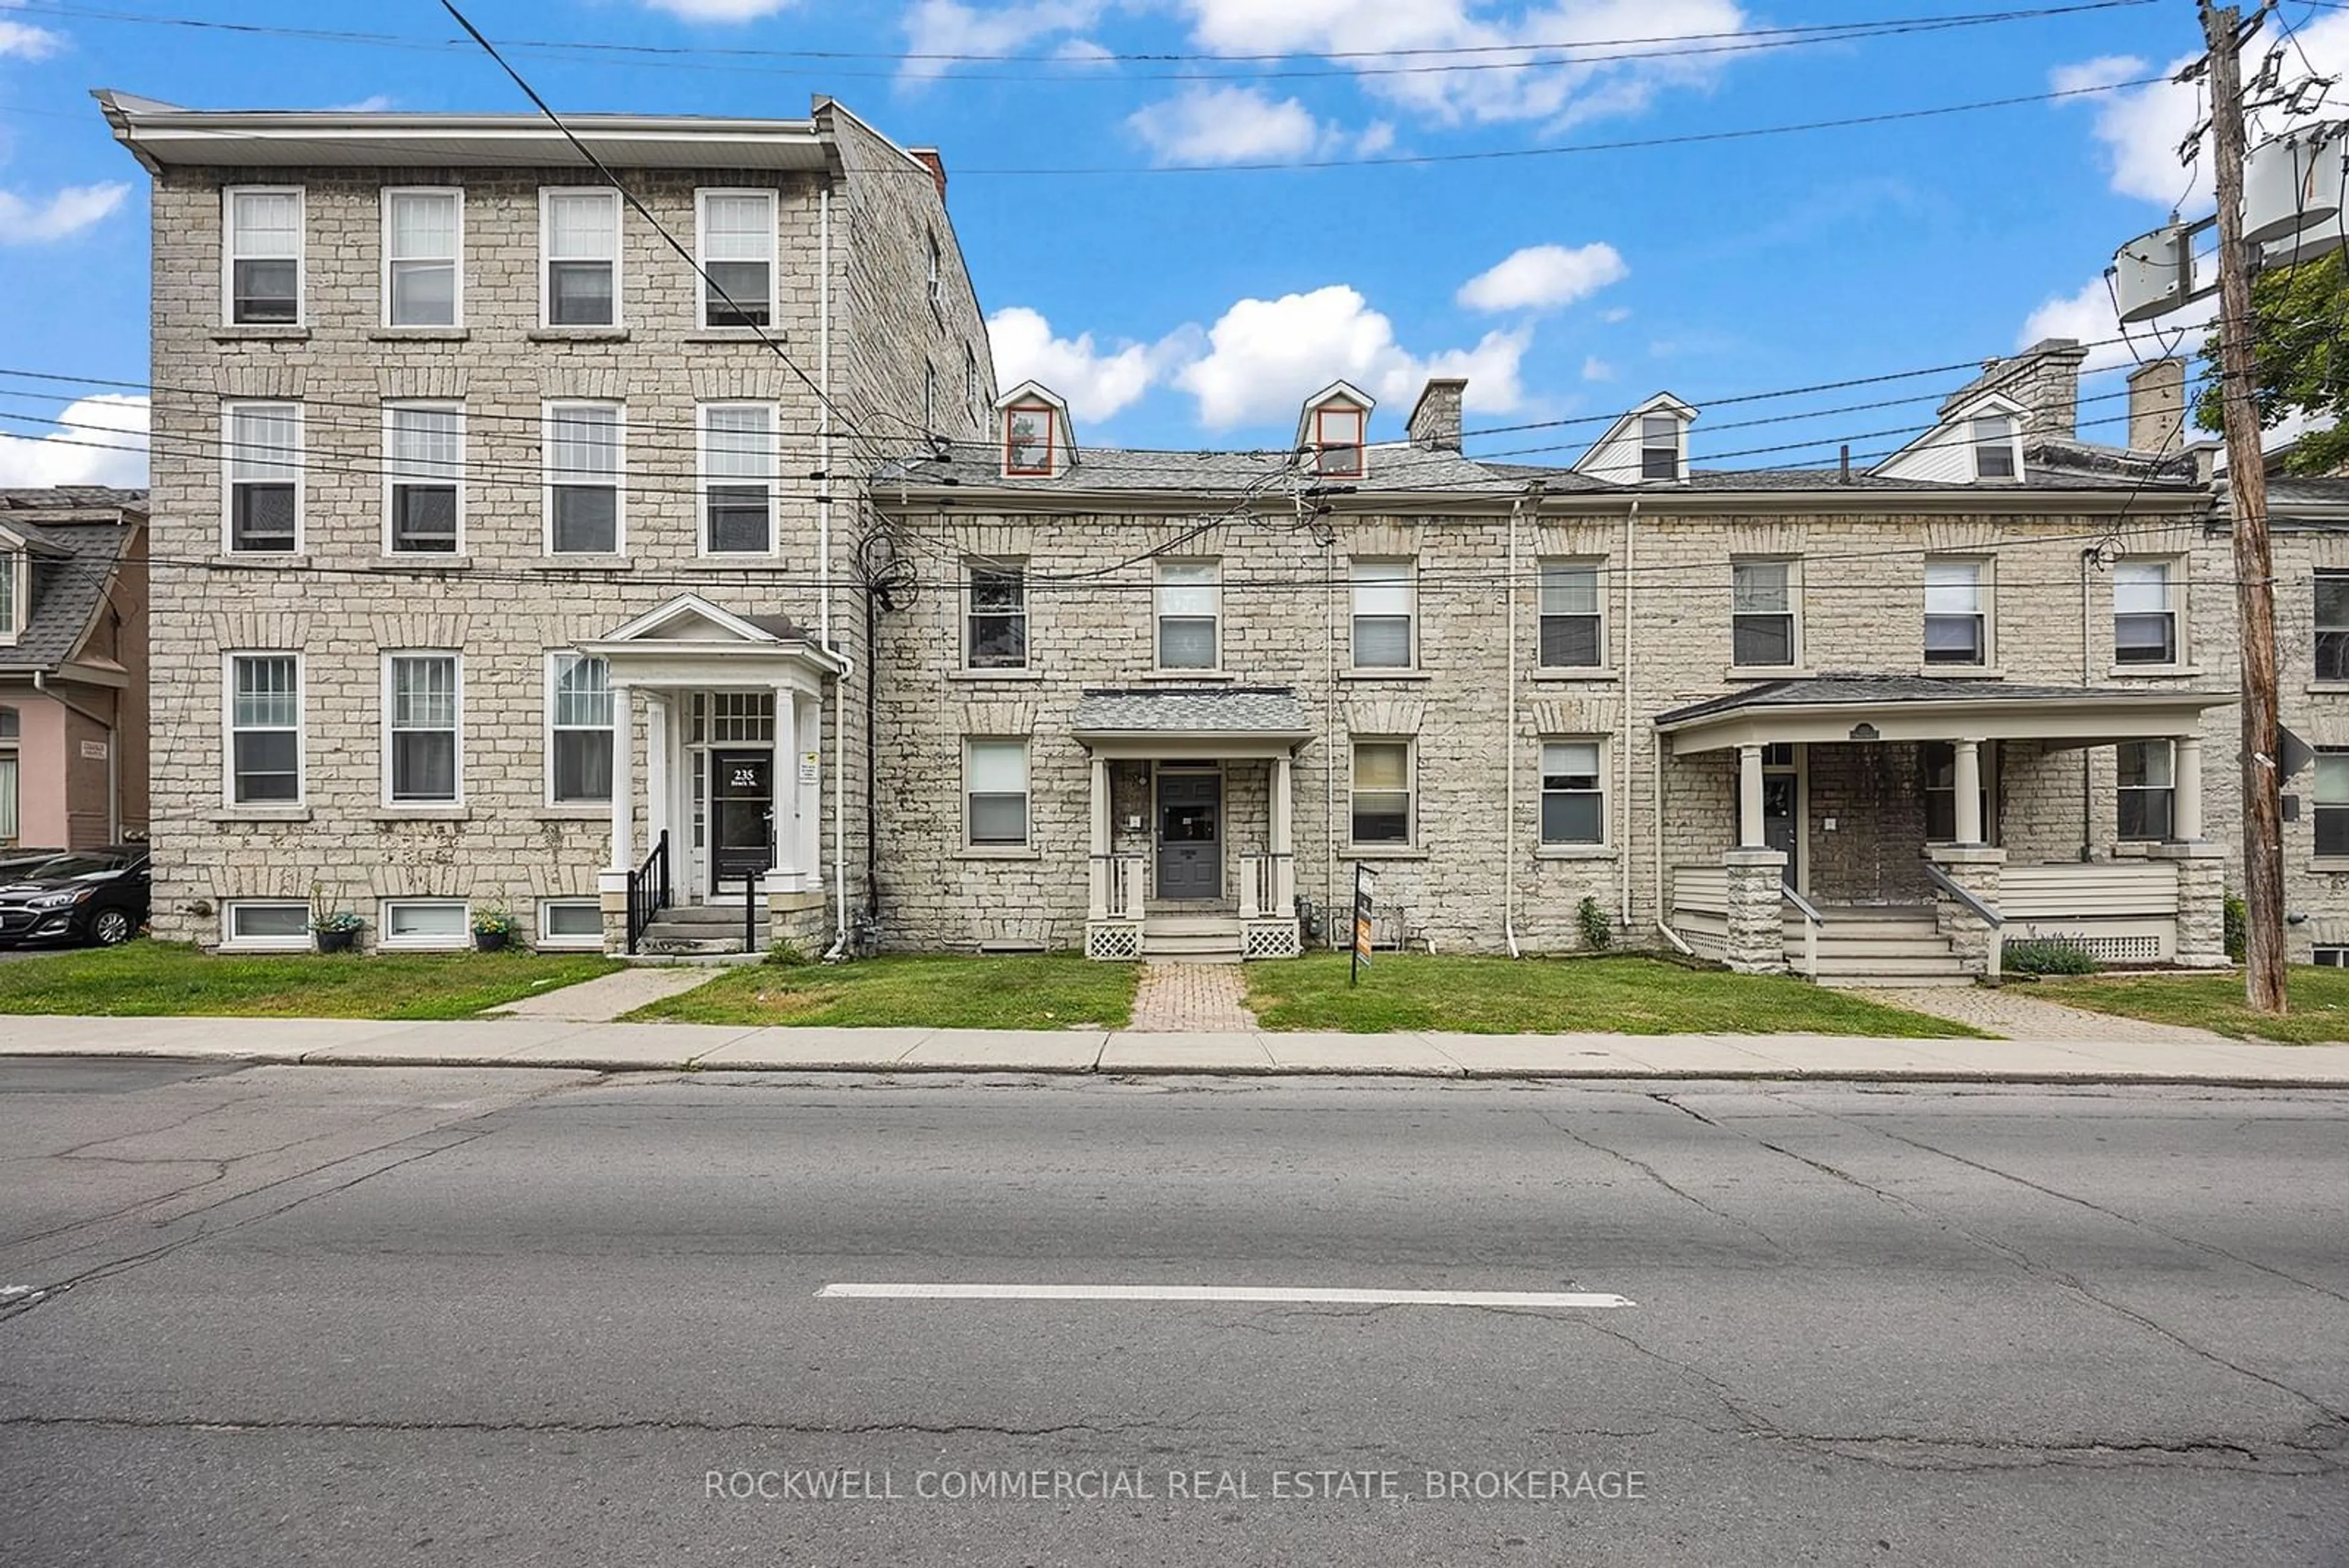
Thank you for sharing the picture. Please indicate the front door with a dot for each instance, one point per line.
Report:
(1190, 836)
(1782, 821)
(741, 815)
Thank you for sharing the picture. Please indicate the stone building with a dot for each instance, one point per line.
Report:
(501, 517)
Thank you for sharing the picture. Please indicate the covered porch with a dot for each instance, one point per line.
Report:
(1872, 806)
(722, 847)
(1192, 850)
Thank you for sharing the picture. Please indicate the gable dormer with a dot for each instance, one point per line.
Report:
(1648, 445)
(1033, 430)
(1333, 431)
(1977, 442)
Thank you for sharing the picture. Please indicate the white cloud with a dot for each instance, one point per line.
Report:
(1264, 356)
(1594, 368)
(1225, 125)
(70, 210)
(1543, 278)
(82, 456)
(1096, 383)
(720, 10)
(951, 28)
(1581, 84)
(25, 41)
(1616, 315)
(375, 103)
(2088, 315)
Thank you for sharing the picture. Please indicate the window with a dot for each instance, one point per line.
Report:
(265, 722)
(1762, 613)
(1188, 604)
(1957, 626)
(1381, 792)
(264, 257)
(994, 775)
(425, 923)
(569, 924)
(423, 240)
(2145, 794)
(737, 478)
(998, 618)
(1993, 447)
(1338, 442)
(2332, 626)
(424, 462)
(1028, 439)
(1572, 630)
(583, 478)
(2330, 958)
(264, 460)
(11, 563)
(970, 386)
(579, 720)
(258, 926)
(1382, 608)
(421, 695)
(929, 397)
(1939, 759)
(1573, 796)
(580, 234)
(8, 820)
(937, 276)
(738, 254)
(2333, 804)
(2145, 613)
(1660, 447)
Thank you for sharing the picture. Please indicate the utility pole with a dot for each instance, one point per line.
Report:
(2263, 970)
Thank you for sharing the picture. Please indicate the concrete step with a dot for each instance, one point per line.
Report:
(1895, 981)
(1191, 925)
(1890, 967)
(1872, 946)
(700, 915)
(686, 937)
(1190, 944)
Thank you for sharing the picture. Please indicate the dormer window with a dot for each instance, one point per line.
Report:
(1659, 449)
(1993, 447)
(1028, 430)
(1338, 442)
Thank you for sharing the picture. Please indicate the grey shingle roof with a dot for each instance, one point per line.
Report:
(1265, 709)
(77, 537)
(1395, 467)
(1878, 691)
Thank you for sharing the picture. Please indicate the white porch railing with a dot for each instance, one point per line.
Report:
(1116, 888)
(1268, 885)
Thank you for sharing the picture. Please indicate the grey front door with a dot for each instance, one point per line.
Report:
(1781, 824)
(1190, 836)
(742, 814)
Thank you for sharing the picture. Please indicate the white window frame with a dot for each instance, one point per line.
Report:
(2173, 598)
(427, 943)
(16, 588)
(393, 474)
(1410, 746)
(2005, 442)
(2167, 752)
(1676, 433)
(1026, 839)
(937, 276)
(2319, 808)
(972, 571)
(546, 258)
(231, 942)
(456, 194)
(456, 658)
(554, 669)
(701, 412)
(548, 478)
(1792, 612)
(1985, 601)
(231, 452)
(1328, 455)
(551, 941)
(1354, 585)
(1542, 793)
(701, 258)
(229, 730)
(1158, 616)
(230, 257)
(1597, 566)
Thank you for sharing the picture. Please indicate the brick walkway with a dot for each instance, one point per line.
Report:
(1186, 998)
(2012, 1012)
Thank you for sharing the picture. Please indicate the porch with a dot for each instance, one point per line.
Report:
(1866, 843)
(1192, 850)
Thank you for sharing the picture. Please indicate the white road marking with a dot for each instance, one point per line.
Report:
(1292, 1294)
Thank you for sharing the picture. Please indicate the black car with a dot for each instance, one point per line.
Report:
(85, 896)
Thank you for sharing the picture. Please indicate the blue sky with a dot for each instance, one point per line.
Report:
(1183, 308)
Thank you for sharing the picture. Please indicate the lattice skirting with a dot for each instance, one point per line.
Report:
(1115, 940)
(2138, 946)
(1270, 939)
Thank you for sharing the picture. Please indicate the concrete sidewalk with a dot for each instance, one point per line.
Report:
(675, 1047)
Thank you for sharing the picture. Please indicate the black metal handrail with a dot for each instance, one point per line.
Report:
(750, 880)
(648, 890)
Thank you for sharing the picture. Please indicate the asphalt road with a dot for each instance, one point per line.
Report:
(316, 1315)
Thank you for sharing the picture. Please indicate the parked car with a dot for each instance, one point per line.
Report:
(96, 896)
(15, 861)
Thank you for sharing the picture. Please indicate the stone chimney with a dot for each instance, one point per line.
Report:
(927, 157)
(1435, 423)
(2156, 406)
(2043, 378)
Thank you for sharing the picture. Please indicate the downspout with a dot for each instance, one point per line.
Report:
(113, 754)
(2087, 753)
(1631, 580)
(824, 579)
(1509, 744)
(1330, 745)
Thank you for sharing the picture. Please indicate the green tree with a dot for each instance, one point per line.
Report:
(2303, 359)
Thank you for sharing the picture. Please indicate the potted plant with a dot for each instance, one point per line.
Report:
(494, 929)
(337, 931)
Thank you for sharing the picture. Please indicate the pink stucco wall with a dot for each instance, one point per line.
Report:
(42, 815)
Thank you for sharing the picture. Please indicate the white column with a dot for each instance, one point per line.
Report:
(783, 789)
(808, 770)
(623, 776)
(1968, 787)
(1282, 829)
(2187, 779)
(1749, 797)
(1099, 870)
(657, 780)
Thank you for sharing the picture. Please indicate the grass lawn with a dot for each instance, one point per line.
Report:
(153, 980)
(1561, 996)
(2318, 1015)
(1054, 991)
